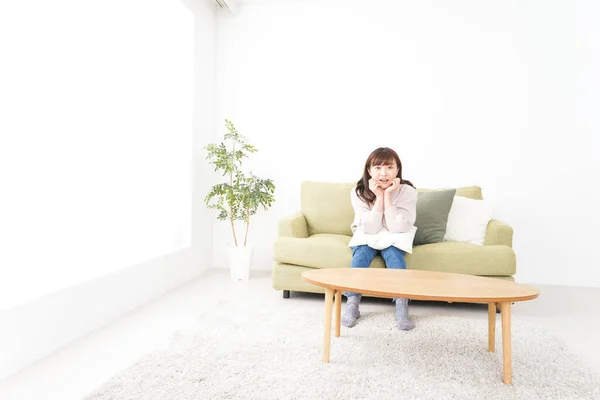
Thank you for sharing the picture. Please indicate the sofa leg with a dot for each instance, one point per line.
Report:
(286, 294)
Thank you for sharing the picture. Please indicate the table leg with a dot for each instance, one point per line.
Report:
(506, 349)
(327, 333)
(491, 327)
(338, 311)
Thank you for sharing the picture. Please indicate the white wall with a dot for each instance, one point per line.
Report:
(72, 311)
(499, 94)
(96, 140)
(205, 124)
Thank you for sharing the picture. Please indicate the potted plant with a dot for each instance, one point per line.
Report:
(239, 197)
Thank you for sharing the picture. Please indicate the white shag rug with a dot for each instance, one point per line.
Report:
(253, 351)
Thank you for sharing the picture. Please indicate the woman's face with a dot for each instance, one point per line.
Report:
(384, 174)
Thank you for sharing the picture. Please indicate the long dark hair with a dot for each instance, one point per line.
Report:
(379, 156)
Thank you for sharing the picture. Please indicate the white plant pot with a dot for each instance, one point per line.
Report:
(240, 260)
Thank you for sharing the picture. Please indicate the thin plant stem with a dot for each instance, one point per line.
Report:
(231, 207)
(247, 225)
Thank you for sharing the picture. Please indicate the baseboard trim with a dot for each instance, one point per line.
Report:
(38, 328)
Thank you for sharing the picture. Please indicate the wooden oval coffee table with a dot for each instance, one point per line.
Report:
(423, 285)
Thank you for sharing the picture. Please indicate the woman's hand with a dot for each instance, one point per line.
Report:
(375, 188)
(393, 187)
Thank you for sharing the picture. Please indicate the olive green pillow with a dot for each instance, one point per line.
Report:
(432, 216)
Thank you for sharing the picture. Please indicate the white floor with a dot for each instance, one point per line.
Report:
(568, 312)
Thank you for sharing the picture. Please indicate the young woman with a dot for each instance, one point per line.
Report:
(384, 205)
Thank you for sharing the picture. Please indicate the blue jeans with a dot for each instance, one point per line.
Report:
(363, 255)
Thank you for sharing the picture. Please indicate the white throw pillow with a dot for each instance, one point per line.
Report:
(384, 239)
(468, 220)
(404, 241)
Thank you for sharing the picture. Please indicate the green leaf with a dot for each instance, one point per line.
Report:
(247, 193)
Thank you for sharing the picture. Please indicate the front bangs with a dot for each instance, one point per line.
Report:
(383, 159)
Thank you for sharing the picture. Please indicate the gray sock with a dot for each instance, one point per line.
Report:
(352, 313)
(403, 321)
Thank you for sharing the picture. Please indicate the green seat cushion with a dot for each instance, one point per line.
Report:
(332, 251)
(463, 258)
(322, 250)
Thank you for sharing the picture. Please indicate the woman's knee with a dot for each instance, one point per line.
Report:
(362, 256)
(394, 258)
(396, 263)
(360, 261)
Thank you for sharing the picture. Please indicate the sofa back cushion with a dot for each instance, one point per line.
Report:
(327, 207)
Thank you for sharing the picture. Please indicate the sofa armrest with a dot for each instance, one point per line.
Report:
(293, 226)
(498, 233)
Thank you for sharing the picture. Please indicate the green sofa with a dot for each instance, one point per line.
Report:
(318, 235)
